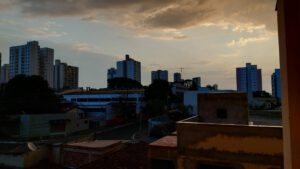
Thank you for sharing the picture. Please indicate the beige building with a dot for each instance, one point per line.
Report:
(228, 108)
(65, 76)
(60, 124)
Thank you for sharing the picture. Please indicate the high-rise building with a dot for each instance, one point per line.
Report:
(72, 74)
(276, 84)
(197, 81)
(30, 59)
(65, 76)
(111, 73)
(129, 68)
(159, 75)
(46, 64)
(24, 59)
(4, 77)
(177, 77)
(248, 78)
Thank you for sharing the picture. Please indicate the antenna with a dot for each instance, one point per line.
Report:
(31, 146)
(181, 69)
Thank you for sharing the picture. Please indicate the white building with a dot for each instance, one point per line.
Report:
(30, 59)
(159, 75)
(24, 59)
(99, 105)
(129, 68)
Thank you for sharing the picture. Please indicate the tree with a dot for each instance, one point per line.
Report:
(157, 96)
(24, 94)
(159, 89)
(124, 83)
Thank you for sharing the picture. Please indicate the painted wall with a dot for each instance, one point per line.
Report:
(233, 146)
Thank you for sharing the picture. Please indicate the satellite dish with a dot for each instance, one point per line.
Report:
(31, 146)
(136, 137)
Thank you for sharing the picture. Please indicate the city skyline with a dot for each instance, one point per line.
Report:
(205, 45)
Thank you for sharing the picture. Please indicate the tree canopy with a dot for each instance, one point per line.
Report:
(123, 83)
(159, 89)
(28, 94)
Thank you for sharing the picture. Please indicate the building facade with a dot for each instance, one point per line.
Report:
(103, 106)
(30, 59)
(129, 68)
(46, 64)
(111, 73)
(24, 59)
(197, 81)
(4, 77)
(65, 76)
(159, 75)
(177, 77)
(248, 78)
(276, 84)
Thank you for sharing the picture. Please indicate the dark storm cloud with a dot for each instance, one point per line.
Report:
(155, 14)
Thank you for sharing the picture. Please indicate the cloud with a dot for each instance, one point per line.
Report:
(86, 47)
(5, 4)
(244, 15)
(243, 41)
(45, 32)
(165, 34)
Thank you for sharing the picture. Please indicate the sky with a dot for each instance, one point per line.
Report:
(207, 38)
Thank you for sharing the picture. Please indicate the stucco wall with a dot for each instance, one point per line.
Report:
(235, 104)
(233, 146)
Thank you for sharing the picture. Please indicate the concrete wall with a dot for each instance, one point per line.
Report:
(33, 158)
(235, 105)
(78, 121)
(11, 160)
(26, 160)
(37, 125)
(231, 146)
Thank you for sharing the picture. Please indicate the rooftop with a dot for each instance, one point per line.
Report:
(165, 142)
(96, 144)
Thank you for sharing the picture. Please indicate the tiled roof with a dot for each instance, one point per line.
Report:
(165, 142)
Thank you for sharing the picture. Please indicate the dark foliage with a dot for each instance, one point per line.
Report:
(162, 130)
(24, 94)
(124, 83)
(159, 89)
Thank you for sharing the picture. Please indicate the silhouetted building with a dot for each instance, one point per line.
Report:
(4, 77)
(177, 77)
(159, 75)
(276, 84)
(129, 68)
(65, 76)
(248, 78)
(111, 73)
(197, 81)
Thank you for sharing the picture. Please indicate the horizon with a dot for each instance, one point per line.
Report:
(197, 37)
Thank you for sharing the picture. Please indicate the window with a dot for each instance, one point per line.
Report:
(221, 113)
